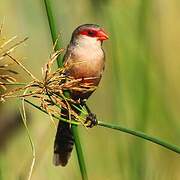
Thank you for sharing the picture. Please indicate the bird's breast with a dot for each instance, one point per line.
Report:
(86, 63)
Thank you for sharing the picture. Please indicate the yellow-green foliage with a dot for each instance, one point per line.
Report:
(140, 89)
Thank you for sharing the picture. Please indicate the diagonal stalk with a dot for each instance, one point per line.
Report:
(54, 36)
(139, 134)
(53, 30)
(142, 135)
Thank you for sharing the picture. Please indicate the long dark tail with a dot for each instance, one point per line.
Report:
(64, 141)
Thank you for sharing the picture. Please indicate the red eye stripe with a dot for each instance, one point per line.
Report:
(95, 33)
(89, 32)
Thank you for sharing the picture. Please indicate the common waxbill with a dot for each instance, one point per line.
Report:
(84, 58)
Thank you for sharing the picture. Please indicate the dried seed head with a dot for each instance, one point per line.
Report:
(49, 90)
(7, 46)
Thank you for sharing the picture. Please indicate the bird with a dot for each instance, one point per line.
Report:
(84, 59)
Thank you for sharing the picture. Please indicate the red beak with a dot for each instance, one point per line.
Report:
(102, 35)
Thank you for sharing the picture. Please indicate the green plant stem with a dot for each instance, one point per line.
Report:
(54, 35)
(59, 118)
(53, 29)
(155, 140)
(80, 152)
(139, 134)
(14, 83)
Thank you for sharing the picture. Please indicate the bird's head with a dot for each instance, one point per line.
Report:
(89, 34)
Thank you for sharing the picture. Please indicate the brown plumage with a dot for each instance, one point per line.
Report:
(84, 58)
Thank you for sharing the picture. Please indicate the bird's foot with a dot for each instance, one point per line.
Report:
(91, 120)
(82, 102)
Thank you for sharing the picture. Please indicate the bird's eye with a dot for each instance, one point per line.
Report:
(88, 32)
(91, 33)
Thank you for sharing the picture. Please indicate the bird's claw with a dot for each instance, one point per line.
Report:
(82, 101)
(91, 120)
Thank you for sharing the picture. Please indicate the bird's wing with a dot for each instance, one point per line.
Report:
(67, 54)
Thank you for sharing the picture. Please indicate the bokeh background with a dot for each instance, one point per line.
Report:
(140, 89)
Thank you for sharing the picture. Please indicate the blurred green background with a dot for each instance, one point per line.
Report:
(140, 89)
